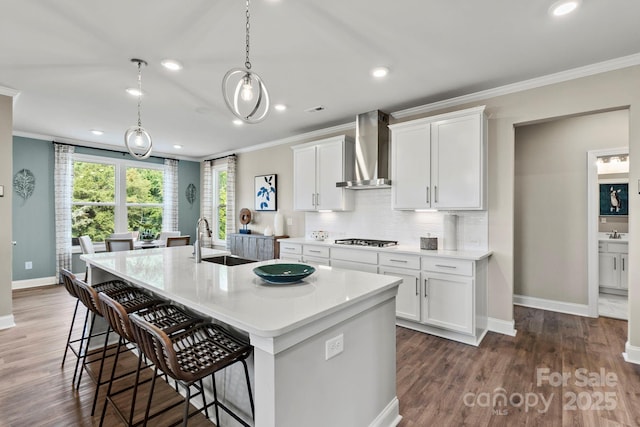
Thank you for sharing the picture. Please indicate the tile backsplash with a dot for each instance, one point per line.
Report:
(373, 218)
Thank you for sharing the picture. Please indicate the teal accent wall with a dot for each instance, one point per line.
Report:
(33, 225)
(33, 219)
(188, 173)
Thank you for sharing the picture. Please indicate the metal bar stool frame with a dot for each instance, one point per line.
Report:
(192, 355)
(170, 318)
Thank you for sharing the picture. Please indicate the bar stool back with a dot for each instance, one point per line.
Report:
(192, 355)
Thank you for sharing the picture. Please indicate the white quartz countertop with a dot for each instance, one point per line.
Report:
(235, 295)
(404, 249)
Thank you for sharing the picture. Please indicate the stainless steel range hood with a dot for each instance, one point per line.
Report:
(372, 152)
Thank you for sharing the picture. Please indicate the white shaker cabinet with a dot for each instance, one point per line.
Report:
(317, 167)
(440, 162)
(408, 268)
(613, 267)
(447, 302)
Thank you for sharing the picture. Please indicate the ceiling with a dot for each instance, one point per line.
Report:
(70, 61)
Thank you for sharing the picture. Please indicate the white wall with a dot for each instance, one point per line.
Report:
(550, 252)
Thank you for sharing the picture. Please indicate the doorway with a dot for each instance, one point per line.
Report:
(608, 180)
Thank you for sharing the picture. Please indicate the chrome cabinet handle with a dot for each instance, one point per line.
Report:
(317, 199)
(428, 194)
(435, 190)
(425, 288)
(446, 266)
(622, 264)
(313, 199)
(417, 291)
(315, 252)
(614, 264)
(398, 260)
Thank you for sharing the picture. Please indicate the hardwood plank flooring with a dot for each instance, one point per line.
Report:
(439, 382)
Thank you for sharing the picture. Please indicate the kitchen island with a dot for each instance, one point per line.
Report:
(294, 329)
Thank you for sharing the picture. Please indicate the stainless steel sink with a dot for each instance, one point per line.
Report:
(229, 260)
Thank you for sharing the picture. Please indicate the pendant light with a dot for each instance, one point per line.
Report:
(136, 138)
(244, 91)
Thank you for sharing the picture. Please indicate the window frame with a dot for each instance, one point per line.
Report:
(120, 204)
(215, 172)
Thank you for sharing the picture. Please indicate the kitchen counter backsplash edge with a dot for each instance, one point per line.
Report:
(404, 249)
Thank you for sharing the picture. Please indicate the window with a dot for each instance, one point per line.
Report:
(219, 227)
(112, 195)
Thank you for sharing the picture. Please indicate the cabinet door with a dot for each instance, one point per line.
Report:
(408, 297)
(265, 248)
(410, 167)
(330, 170)
(457, 149)
(609, 275)
(447, 302)
(624, 271)
(304, 182)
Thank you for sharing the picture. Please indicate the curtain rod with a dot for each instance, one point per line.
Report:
(124, 153)
(222, 157)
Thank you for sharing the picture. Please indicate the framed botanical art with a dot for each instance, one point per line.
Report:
(614, 199)
(266, 192)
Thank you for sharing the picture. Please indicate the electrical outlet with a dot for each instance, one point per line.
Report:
(28, 265)
(289, 221)
(334, 346)
(603, 220)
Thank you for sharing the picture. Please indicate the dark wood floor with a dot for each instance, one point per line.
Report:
(440, 382)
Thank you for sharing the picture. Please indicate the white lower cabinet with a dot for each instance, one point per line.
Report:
(408, 297)
(613, 265)
(443, 296)
(447, 302)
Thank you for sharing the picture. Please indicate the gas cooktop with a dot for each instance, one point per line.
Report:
(366, 242)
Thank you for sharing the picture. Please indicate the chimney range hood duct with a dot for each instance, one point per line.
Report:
(372, 152)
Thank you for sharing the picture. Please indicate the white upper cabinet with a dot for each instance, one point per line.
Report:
(317, 167)
(439, 162)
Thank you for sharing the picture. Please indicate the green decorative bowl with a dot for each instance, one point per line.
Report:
(283, 273)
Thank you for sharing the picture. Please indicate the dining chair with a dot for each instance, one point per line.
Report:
(164, 234)
(178, 241)
(115, 245)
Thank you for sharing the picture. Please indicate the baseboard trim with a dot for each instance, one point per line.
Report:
(7, 322)
(504, 327)
(390, 416)
(33, 283)
(631, 353)
(551, 305)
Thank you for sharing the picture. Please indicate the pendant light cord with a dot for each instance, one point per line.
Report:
(139, 92)
(247, 63)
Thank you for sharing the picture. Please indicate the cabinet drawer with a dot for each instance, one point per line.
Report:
(462, 267)
(290, 248)
(618, 248)
(316, 260)
(316, 251)
(399, 260)
(358, 266)
(367, 257)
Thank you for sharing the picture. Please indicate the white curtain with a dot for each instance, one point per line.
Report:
(206, 196)
(63, 189)
(231, 198)
(170, 201)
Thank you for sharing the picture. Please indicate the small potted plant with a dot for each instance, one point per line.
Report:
(147, 235)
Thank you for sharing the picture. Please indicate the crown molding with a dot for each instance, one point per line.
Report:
(89, 144)
(316, 134)
(562, 76)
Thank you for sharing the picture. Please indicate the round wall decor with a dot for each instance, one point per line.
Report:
(24, 182)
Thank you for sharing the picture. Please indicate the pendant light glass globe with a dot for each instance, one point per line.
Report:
(136, 138)
(138, 142)
(245, 95)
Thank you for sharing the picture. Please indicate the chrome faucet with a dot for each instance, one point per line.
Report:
(197, 246)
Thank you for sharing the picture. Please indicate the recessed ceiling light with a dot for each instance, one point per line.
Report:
(133, 91)
(171, 64)
(177, 146)
(280, 107)
(563, 7)
(379, 72)
(97, 132)
(237, 122)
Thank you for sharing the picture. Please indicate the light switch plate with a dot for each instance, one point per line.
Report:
(1, 190)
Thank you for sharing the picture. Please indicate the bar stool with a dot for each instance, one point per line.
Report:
(131, 298)
(67, 279)
(167, 317)
(190, 356)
